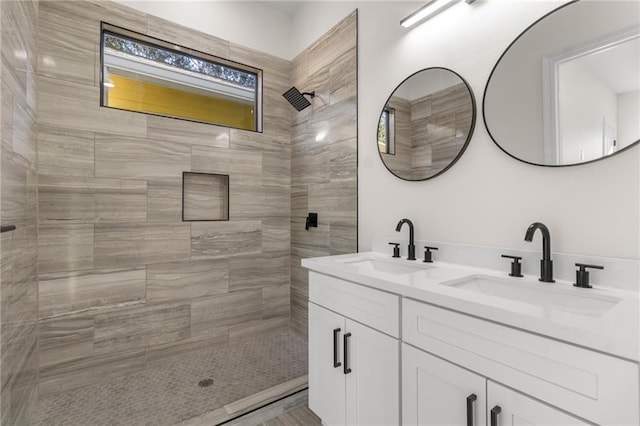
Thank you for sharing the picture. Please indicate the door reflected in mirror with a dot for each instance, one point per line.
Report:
(565, 94)
(426, 124)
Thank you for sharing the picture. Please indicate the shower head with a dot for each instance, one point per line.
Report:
(297, 99)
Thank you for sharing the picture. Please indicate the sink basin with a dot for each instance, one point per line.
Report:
(578, 301)
(388, 267)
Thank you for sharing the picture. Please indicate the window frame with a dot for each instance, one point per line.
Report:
(106, 28)
(390, 132)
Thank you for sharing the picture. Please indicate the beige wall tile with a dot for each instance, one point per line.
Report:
(206, 196)
(249, 272)
(187, 132)
(65, 247)
(211, 240)
(64, 292)
(209, 314)
(121, 245)
(164, 200)
(138, 158)
(187, 280)
(91, 200)
(65, 152)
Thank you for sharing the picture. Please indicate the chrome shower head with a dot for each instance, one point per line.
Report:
(297, 99)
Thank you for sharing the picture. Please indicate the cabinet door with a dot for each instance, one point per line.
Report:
(517, 409)
(436, 392)
(326, 381)
(373, 384)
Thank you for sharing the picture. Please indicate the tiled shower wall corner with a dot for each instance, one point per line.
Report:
(123, 282)
(18, 251)
(324, 156)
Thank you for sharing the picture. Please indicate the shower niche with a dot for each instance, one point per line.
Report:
(205, 197)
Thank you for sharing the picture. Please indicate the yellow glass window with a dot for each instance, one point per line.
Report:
(143, 74)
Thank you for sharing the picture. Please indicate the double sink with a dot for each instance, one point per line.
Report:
(528, 290)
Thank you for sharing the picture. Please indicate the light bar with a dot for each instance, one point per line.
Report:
(428, 10)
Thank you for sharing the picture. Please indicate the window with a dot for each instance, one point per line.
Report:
(144, 74)
(387, 131)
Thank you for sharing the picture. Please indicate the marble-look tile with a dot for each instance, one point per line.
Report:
(276, 202)
(187, 132)
(160, 354)
(275, 70)
(276, 300)
(276, 169)
(333, 44)
(276, 235)
(85, 371)
(244, 168)
(223, 311)
(138, 327)
(65, 152)
(334, 201)
(420, 108)
(453, 98)
(164, 200)
(68, 199)
(65, 247)
(251, 330)
(343, 160)
(274, 138)
(62, 292)
(122, 245)
(24, 136)
(206, 197)
(225, 239)
(249, 272)
(188, 279)
(246, 202)
(344, 236)
(64, 340)
(343, 80)
(74, 106)
(187, 37)
(138, 158)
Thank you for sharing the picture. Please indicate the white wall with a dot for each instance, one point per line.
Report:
(628, 118)
(247, 23)
(487, 198)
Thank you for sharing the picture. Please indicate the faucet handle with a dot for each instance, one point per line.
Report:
(396, 249)
(427, 254)
(582, 275)
(516, 266)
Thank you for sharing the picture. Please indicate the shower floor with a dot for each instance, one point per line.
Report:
(173, 392)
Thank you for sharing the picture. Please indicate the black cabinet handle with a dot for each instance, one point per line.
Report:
(494, 415)
(470, 400)
(336, 363)
(346, 370)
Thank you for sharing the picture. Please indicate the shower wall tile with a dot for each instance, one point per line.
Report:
(123, 281)
(324, 157)
(187, 132)
(164, 200)
(66, 247)
(76, 106)
(249, 272)
(118, 245)
(187, 280)
(91, 200)
(18, 186)
(64, 152)
(139, 327)
(65, 292)
(169, 31)
(211, 313)
(139, 158)
(211, 240)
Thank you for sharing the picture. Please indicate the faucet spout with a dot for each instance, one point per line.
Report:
(412, 247)
(546, 264)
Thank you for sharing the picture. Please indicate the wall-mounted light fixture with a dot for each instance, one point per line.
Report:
(428, 10)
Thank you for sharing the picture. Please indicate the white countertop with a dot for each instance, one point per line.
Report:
(615, 332)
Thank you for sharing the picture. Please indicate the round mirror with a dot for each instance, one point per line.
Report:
(426, 124)
(567, 90)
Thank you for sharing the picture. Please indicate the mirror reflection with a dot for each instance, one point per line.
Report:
(565, 94)
(426, 124)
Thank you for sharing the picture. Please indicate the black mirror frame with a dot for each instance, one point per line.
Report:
(486, 87)
(469, 135)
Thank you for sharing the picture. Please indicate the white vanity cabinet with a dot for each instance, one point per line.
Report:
(353, 353)
(545, 374)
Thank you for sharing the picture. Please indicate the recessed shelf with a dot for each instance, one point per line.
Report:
(205, 197)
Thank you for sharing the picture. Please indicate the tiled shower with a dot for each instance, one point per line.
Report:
(102, 279)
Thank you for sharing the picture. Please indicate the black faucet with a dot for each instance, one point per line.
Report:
(546, 264)
(412, 247)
